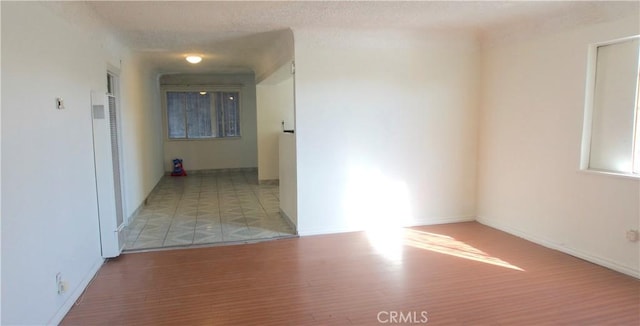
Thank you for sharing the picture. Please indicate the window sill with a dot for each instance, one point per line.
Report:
(203, 139)
(611, 174)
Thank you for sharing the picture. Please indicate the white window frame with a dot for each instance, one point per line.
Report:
(205, 88)
(588, 115)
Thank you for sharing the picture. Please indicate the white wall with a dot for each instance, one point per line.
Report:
(385, 129)
(531, 125)
(278, 53)
(274, 104)
(141, 128)
(49, 214)
(0, 175)
(217, 153)
(288, 177)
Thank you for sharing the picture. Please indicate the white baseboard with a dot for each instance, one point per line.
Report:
(443, 220)
(312, 232)
(215, 171)
(77, 292)
(135, 213)
(433, 221)
(289, 221)
(565, 249)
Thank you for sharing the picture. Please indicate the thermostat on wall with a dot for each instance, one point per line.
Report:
(59, 103)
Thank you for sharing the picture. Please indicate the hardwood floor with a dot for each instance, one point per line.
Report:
(455, 274)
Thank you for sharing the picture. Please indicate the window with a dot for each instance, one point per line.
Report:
(202, 114)
(611, 140)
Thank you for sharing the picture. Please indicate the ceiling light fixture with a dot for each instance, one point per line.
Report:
(203, 93)
(194, 59)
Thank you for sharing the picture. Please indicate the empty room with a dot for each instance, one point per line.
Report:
(320, 162)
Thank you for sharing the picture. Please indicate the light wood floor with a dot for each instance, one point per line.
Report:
(457, 274)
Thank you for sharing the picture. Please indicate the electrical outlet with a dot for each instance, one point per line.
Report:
(632, 235)
(61, 285)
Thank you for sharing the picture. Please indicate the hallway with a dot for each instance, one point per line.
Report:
(208, 208)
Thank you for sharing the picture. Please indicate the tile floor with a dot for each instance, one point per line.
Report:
(206, 209)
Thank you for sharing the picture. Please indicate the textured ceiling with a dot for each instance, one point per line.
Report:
(231, 35)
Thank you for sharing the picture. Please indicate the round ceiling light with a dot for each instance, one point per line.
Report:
(194, 59)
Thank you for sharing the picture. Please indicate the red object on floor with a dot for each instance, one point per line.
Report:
(178, 170)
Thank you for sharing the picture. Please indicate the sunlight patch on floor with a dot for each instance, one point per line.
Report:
(390, 242)
(450, 246)
(380, 205)
(387, 242)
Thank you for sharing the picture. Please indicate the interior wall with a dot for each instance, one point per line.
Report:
(141, 132)
(531, 128)
(50, 216)
(0, 174)
(226, 153)
(274, 104)
(272, 57)
(288, 177)
(385, 129)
